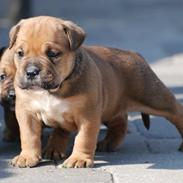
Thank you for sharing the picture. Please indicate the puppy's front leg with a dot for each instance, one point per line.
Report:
(30, 135)
(84, 146)
(57, 144)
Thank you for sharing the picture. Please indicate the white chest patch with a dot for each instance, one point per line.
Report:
(50, 107)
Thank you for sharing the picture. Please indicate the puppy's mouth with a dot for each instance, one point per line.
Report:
(36, 79)
(51, 86)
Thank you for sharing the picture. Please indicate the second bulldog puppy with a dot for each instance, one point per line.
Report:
(7, 94)
(76, 87)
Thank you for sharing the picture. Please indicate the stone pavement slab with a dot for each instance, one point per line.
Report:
(154, 171)
(131, 163)
(47, 173)
(140, 158)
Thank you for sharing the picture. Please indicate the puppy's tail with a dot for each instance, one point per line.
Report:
(146, 120)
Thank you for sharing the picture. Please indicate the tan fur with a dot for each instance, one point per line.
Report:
(7, 69)
(79, 89)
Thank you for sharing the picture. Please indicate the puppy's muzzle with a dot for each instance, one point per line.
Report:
(11, 99)
(32, 72)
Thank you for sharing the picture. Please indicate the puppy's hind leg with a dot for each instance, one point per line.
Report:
(116, 132)
(153, 97)
(158, 100)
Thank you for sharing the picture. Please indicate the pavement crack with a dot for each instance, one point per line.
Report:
(112, 176)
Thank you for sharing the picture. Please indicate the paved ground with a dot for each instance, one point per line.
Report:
(155, 29)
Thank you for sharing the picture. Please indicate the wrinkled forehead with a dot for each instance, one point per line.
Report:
(38, 33)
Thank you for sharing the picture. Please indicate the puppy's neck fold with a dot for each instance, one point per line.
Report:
(71, 83)
(77, 69)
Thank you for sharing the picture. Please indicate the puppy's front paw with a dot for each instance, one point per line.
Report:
(24, 160)
(54, 152)
(77, 162)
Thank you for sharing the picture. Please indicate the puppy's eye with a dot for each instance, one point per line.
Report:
(53, 54)
(20, 53)
(2, 77)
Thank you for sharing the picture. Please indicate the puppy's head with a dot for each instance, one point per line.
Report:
(7, 73)
(45, 51)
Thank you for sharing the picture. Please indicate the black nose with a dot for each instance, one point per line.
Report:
(11, 95)
(32, 71)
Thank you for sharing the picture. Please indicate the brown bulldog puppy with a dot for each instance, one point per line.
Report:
(76, 87)
(7, 94)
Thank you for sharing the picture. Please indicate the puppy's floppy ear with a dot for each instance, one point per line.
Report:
(13, 35)
(14, 32)
(75, 34)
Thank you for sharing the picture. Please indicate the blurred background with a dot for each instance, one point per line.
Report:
(154, 28)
